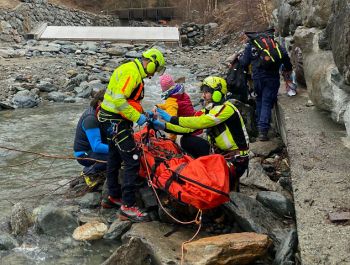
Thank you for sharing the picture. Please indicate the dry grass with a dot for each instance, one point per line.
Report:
(8, 4)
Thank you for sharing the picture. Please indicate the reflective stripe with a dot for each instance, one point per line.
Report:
(113, 95)
(123, 106)
(111, 107)
(126, 84)
(279, 52)
(226, 140)
(269, 54)
(246, 136)
(216, 120)
(257, 44)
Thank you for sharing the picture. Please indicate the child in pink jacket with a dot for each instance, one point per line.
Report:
(177, 101)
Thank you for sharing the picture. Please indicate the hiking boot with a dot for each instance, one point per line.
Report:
(111, 202)
(133, 213)
(263, 137)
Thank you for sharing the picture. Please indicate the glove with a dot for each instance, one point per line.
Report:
(164, 115)
(158, 125)
(149, 114)
(141, 121)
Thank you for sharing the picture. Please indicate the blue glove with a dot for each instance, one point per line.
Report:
(164, 115)
(158, 125)
(150, 114)
(141, 121)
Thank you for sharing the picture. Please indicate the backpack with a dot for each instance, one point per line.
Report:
(269, 53)
(236, 80)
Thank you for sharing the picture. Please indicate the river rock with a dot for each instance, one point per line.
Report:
(25, 99)
(117, 229)
(90, 231)
(285, 252)
(90, 200)
(276, 202)
(7, 242)
(134, 252)
(54, 221)
(20, 219)
(265, 148)
(239, 248)
(56, 96)
(252, 216)
(146, 241)
(257, 177)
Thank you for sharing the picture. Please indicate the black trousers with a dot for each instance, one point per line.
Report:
(122, 148)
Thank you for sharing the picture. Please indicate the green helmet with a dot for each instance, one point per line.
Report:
(217, 86)
(215, 83)
(157, 63)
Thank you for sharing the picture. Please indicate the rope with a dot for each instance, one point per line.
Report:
(197, 220)
(51, 156)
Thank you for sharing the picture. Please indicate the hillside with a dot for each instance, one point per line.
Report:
(231, 15)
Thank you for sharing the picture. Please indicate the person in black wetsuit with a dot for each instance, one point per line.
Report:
(91, 141)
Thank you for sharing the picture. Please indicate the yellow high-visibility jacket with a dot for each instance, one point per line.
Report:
(224, 124)
(125, 86)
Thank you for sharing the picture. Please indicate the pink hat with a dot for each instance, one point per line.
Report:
(166, 82)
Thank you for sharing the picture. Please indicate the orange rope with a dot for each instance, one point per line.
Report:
(197, 220)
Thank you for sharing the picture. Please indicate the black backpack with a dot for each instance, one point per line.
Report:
(237, 85)
(269, 53)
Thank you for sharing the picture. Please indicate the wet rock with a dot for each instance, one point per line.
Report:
(25, 99)
(5, 105)
(276, 202)
(17, 258)
(90, 231)
(148, 197)
(134, 252)
(20, 219)
(165, 250)
(117, 229)
(90, 200)
(46, 86)
(7, 242)
(240, 248)
(285, 252)
(53, 221)
(286, 183)
(56, 96)
(265, 148)
(257, 177)
(252, 216)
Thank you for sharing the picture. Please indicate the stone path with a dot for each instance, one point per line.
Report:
(320, 167)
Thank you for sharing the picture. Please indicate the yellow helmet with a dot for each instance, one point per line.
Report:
(157, 62)
(217, 86)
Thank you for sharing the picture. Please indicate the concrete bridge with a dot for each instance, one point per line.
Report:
(168, 35)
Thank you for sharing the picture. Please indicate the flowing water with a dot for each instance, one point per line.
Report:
(36, 179)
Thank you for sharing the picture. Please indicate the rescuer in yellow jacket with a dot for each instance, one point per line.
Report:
(121, 107)
(225, 128)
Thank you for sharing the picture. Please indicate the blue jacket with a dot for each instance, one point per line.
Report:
(250, 56)
(89, 135)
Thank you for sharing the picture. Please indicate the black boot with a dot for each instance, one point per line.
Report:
(263, 137)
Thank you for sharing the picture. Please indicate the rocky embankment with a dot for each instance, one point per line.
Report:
(321, 31)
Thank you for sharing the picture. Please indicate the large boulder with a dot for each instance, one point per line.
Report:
(339, 32)
(315, 13)
(324, 82)
(55, 222)
(239, 248)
